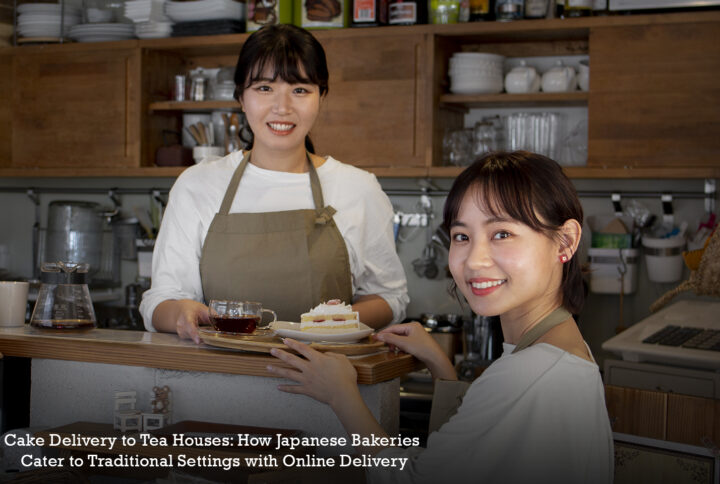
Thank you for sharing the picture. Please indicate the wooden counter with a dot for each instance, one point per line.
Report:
(167, 351)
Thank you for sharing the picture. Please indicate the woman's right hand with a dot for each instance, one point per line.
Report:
(412, 338)
(182, 316)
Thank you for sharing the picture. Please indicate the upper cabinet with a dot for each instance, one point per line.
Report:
(75, 108)
(654, 97)
(101, 109)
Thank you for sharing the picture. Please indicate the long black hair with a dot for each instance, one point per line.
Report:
(294, 55)
(531, 189)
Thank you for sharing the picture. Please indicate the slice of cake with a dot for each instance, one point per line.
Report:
(330, 317)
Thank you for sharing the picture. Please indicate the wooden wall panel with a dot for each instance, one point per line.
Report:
(6, 83)
(372, 115)
(654, 96)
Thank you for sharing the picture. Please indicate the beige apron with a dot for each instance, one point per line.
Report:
(289, 261)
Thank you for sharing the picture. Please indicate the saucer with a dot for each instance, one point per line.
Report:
(287, 329)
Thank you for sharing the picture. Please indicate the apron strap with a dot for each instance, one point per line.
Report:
(550, 321)
(323, 214)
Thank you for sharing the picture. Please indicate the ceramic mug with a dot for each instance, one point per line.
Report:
(583, 77)
(13, 303)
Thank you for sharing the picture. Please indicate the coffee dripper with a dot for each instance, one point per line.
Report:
(63, 300)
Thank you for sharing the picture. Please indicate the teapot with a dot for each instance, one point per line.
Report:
(560, 78)
(521, 79)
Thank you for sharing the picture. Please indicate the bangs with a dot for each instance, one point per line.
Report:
(504, 195)
(288, 64)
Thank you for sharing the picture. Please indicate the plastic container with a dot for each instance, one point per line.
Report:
(663, 258)
(605, 267)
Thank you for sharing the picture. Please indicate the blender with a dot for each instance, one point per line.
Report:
(63, 300)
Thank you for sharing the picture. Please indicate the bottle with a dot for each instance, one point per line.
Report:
(407, 12)
(536, 8)
(600, 7)
(578, 8)
(481, 10)
(369, 13)
(509, 10)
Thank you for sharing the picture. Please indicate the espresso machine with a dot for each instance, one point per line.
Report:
(482, 344)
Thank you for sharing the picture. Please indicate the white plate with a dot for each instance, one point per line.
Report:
(47, 8)
(287, 329)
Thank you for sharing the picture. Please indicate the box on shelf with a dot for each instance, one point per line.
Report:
(322, 14)
(268, 12)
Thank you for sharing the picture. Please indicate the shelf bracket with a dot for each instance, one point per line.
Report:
(710, 195)
(615, 198)
(667, 207)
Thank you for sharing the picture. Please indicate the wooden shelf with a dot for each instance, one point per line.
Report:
(193, 105)
(586, 172)
(578, 98)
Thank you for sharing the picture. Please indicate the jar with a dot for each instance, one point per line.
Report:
(506, 10)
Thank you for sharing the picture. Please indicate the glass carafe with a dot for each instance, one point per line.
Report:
(63, 300)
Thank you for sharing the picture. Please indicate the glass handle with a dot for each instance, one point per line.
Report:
(273, 314)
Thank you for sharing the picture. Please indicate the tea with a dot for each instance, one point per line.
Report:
(245, 323)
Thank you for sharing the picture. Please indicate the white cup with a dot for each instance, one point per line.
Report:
(13, 303)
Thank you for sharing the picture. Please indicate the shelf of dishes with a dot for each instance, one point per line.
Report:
(505, 99)
(193, 105)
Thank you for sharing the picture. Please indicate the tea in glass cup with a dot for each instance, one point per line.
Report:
(238, 317)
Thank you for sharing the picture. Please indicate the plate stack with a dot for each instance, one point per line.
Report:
(102, 32)
(197, 10)
(476, 73)
(42, 20)
(149, 17)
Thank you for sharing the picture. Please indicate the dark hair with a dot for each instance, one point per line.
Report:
(531, 189)
(291, 52)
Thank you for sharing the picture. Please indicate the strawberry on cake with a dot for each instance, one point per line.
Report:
(330, 317)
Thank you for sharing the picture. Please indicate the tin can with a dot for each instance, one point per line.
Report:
(179, 88)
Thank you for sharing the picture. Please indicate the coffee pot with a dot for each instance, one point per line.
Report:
(63, 300)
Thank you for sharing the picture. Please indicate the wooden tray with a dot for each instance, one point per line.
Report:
(263, 343)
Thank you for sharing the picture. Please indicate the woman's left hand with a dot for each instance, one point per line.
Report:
(325, 377)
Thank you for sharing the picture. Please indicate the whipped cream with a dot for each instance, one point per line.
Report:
(337, 308)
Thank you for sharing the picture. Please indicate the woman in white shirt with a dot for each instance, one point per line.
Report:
(276, 224)
(537, 414)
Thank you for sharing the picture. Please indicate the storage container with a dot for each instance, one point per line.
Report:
(605, 268)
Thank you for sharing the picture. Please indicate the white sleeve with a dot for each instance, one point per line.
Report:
(176, 257)
(379, 270)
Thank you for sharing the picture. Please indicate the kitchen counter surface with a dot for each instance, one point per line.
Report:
(169, 352)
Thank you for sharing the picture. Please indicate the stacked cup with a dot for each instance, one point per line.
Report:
(476, 73)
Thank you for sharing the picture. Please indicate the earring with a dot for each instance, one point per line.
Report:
(563, 258)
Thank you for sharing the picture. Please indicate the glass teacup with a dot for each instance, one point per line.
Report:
(238, 317)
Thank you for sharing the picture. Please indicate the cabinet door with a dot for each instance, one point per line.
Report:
(76, 109)
(654, 96)
(376, 110)
(636, 412)
(6, 89)
(693, 420)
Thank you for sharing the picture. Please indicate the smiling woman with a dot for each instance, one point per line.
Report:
(537, 414)
(276, 224)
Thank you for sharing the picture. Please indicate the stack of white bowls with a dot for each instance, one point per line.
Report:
(476, 73)
(44, 19)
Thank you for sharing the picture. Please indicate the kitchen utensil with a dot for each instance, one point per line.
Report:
(63, 300)
(74, 233)
(238, 317)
